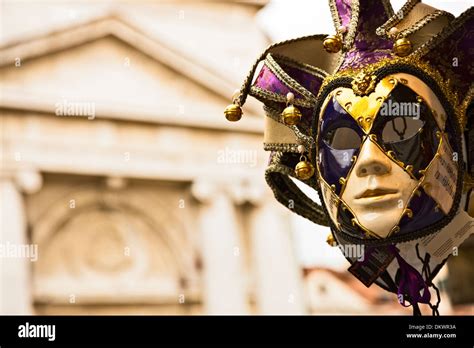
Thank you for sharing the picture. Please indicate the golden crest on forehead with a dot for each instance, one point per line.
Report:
(364, 83)
(364, 109)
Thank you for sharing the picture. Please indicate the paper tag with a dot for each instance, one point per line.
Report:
(443, 243)
(376, 260)
(440, 178)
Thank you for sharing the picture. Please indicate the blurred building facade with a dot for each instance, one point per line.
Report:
(118, 165)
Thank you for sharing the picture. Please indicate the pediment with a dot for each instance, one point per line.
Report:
(111, 74)
(116, 68)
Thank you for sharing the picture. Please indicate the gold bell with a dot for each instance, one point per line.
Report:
(233, 112)
(291, 115)
(304, 169)
(332, 44)
(330, 240)
(402, 47)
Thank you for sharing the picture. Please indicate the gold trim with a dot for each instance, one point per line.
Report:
(245, 88)
(352, 30)
(262, 93)
(429, 45)
(293, 148)
(350, 35)
(424, 21)
(363, 84)
(335, 15)
(405, 207)
(465, 104)
(408, 212)
(320, 120)
(331, 192)
(345, 206)
(397, 17)
(425, 185)
(363, 228)
(393, 159)
(305, 140)
(344, 184)
(310, 69)
(287, 79)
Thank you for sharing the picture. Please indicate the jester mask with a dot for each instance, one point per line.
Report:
(378, 119)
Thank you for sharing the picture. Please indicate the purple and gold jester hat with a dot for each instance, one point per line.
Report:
(378, 119)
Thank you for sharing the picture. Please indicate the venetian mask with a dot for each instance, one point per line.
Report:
(387, 159)
(378, 119)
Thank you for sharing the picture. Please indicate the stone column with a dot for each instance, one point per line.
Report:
(224, 288)
(278, 275)
(15, 264)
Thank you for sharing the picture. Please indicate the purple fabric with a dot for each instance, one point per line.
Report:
(307, 80)
(357, 59)
(411, 283)
(459, 45)
(368, 47)
(268, 81)
(344, 10)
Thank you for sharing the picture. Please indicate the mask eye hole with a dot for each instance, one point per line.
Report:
(342, 138)
(401, 128)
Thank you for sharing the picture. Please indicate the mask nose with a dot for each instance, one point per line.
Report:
(372, 160)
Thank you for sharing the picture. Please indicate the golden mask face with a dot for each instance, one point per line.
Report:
(384, 159)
